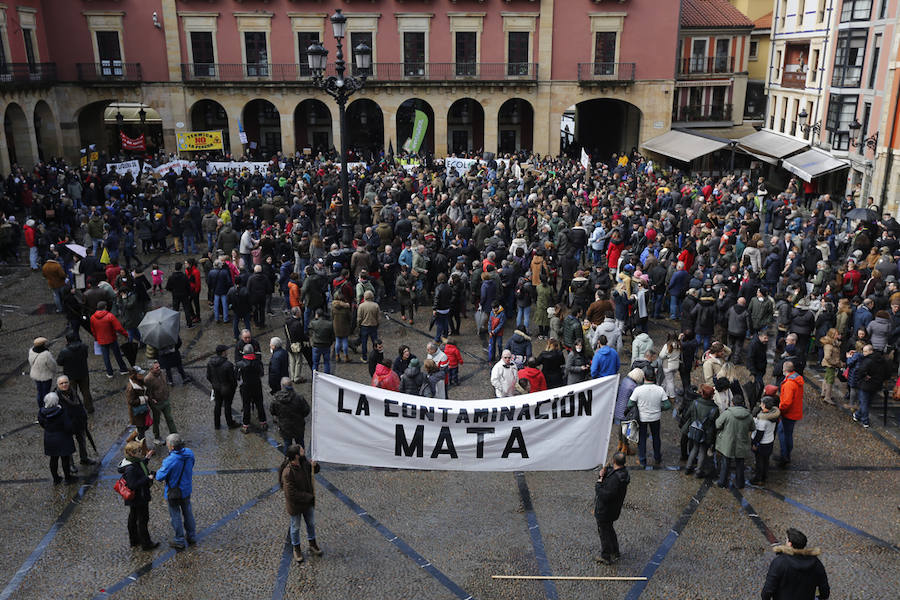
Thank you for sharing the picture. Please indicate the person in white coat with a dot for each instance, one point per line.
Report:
(612, 331)
(43, 368)
(670, 358)
(648, 398)
(504, 375)
(640, 346)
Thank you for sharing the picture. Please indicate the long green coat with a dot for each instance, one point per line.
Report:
(544, 301)
(735, 425)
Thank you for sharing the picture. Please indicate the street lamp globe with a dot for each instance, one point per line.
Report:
(339, 24)
(802, 115)
(363, 55)
(316, 55)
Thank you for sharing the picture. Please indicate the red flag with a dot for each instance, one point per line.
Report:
(128, 143)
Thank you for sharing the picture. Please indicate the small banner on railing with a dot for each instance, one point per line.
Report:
(193, 141)
(138, 143)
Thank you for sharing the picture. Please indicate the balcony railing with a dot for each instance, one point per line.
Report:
(701, 65)
(793, 79)
(379, 72)
(27, 73)
(693, 113)
(606, 71)
(109, 70)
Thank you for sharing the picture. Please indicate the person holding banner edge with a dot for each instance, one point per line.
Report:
(609, 496)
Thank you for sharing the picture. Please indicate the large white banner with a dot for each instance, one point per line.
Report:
(462, 165)
(557, 430)
(262, 167)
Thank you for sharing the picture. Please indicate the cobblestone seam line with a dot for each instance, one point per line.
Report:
(429, 336)
(754, 516)
(537, 541)
(830, 519)
(166, 556)
(284, 568)
(396, 541)
(63, 518)
(659, 556)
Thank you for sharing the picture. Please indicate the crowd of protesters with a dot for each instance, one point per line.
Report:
(558, 266)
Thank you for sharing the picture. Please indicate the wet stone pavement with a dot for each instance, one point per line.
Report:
(414, 534)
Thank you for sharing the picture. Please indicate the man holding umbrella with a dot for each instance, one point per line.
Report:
(71, 403)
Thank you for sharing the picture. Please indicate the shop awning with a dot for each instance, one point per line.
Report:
(813, 163)
(683, 146)
(771, 144)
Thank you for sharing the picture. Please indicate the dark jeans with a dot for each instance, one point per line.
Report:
(104, 350)
(725, 471)
(736, 342)
(763, 452)
(223, 401)
(138, 520)
(84, 386)
(235, 323)
(259, 311)
(251, 401)
(442, 326)
(195, 305)
(698, 453)
(642, 441)
(862, 413)
(82, 446)
(786, 437)
(43, 388)
(366, 333)
(609, 543)
(289, 440)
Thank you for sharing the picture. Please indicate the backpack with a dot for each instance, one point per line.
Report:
(427, 390)
(697, 429)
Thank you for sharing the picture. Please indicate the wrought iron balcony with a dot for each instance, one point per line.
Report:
(704, 65)
(109, 70)
(693, 113)
(606, 72)
(27, 73)
(379, 73)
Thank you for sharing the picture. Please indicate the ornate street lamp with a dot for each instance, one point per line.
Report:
(340, 88)
(806, 127)
(870, 142)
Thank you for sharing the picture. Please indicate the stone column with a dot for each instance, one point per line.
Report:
(288, 143)
(169, 20)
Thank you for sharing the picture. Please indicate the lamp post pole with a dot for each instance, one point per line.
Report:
(341, 88)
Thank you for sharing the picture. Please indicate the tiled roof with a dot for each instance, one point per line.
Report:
(712, 13)
(764, 22)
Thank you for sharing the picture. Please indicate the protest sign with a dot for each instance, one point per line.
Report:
(565, 428)
(192, 141)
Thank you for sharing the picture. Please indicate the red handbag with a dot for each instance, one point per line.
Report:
(122, 488)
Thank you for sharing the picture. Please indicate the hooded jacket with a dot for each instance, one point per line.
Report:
(879, 330)
(105, 326)
(704, 316)
(503, 378)
(832, 352)
(605, 362)
(220, 374)
(535, 377)
(57, 431)
(737, 320)
(385, 378)
(791, 395)
(795, 574)
(520, 345)
(137, 477)
(734, 426)
(290, 410)
(73, 360)
(412, 380)
(641, 344)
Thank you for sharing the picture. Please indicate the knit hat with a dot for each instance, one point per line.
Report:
(221, 348)
(770, 390)
(414, 363)
(40, 341)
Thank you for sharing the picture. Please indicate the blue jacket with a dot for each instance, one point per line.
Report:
(219, 281)
(678, 283)
(605, 362)
(861, 318)
(177, 468)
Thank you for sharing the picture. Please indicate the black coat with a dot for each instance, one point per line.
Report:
(795, 575)
(757, 362)
(871, 372)
(178, 285)
(74, 360)
(221, 376)
(57, 431)
(610, 494)
(74, 408)
(251, 372)
(137, 481)
(291, 410)
(278, 368)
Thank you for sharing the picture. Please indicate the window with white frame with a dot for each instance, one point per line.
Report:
(841, 112)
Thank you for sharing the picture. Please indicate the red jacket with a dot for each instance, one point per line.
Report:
(613, 252)
(385, 379)
(194, 278)
(29, 236)
(104, 326)
(112, 273)
(454, 358)
(535, 378)
(791, 405)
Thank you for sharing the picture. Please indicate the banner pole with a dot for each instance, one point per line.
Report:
(567, 578)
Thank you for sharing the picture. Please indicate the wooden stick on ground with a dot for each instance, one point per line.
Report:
(564, 578)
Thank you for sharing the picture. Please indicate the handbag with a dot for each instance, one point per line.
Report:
(122, 488)
(148, 419)
(140, 409)
(630, 431)
(175, 490)
(697, 429)
(666, 404)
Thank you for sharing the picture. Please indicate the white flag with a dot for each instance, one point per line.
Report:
(585, 160)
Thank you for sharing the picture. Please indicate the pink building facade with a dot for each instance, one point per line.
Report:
(491, 75)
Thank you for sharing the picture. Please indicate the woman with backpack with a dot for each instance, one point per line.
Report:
(700, 429)
(138, 479)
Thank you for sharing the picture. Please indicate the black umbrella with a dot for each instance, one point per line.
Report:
(862, 214)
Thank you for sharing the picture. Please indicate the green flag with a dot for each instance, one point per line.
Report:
(420, 126)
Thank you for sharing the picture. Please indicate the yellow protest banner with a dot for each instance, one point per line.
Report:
(193, 141)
